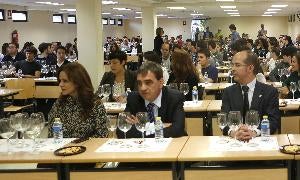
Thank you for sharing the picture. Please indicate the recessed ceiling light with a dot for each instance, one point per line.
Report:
(231, 10)
(197, 14)
(266, 15)
(138, 17)
(269, 12)
(279, 5)
(228, 7)
(109, 2)
(106, 13)
(119, 15)
(138, 12)
(50, 3)
(160, 15)
(69, 10)
(273, 9)
(233, 13)
(171, 17)
(224, 0)
(122, 9)
(176, 7)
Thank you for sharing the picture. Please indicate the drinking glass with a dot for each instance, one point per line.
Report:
(53, 70)
(184, 88)
(231, 76)
(39, 116)
(222, 123)
(20, 73)
(286, 72)
(6, 131)
(20, 122)
(106, 91)
(111, 124)
(234, 120)
(141, 124)
(123, 125)
(35, 129)
(280, 73)
(252, 121)
(173, 86)
(118, 90)
(299, 86)
(43, 62)
(45, 70)
(293, 87)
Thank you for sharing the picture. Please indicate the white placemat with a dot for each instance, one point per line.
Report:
(134, 145)
(114, 105)
(192, 103)
(217, 145)
(43, 145)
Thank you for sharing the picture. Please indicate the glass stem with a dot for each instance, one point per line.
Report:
(125, 135)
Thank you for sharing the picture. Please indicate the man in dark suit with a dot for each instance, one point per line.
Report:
(261, 97)
(166, 103)
(13, 54)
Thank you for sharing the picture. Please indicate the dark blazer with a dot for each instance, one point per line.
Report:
(265, 101)
(19, 57)
(158, 41)
(171, 111)
(130, 80)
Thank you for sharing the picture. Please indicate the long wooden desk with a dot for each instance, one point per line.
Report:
(6, 93)
(197, 149)
(90, 156)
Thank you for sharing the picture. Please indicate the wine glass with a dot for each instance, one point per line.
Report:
(35, 129)
(123, 125)
(45, 70)
(141, 124)
(287, 73)
(252, 121)
(53, 70)
(111, 124)
(222, 123)
(173, 86)
(20, 122)
(280, 73)
(231, 76)
(38, 117)
(118, 90)
(43, 62)
(6, 131)
(293, 87)
(106, 91)
(184, 88)
(20, 73)
(234, 120)
(299, 86)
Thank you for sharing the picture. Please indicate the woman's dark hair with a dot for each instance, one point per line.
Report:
(31, 50)
(114, 45)
(158, 31)
(264, 43)
(183, 66)
(78, 75)
(276, 51)
(43, 46)
(4, 48)
(120, 55)
(273, 42)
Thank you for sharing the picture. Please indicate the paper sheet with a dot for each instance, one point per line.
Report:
(134, 145)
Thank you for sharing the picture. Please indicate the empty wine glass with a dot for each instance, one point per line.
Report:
(234, 120)
(141, 124)
(118, 90)
(106, 91)
(20, 122)
(20, 73)
(252, 121)
(173, 86)
(230, 75)
(111, 124)
(123, 125)
(45, 70)
(184, 88)
(53, 70)
(286, 72)
(222, 123)
(36, 127)
(6, 131)
(280, 73)
(293, 87)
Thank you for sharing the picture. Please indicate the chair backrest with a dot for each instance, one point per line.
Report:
(27, 84)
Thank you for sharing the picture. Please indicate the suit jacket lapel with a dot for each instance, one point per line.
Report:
(239, 97)
(256, 96)
(162, 111)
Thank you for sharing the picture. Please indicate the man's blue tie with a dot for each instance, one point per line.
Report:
(150, 112)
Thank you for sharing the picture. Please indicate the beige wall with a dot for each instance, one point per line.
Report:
(294, 29)
(250, 25)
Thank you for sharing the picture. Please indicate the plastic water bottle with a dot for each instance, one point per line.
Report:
(265, 128)
(159, 129)
(128, 91)
(57, 130)
(205, 77)
(195, 94)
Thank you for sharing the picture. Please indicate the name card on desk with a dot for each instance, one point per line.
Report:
(192, 103)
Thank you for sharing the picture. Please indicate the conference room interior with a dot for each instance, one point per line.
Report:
(188, 157)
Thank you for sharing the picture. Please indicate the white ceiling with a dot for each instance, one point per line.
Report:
(209, 8)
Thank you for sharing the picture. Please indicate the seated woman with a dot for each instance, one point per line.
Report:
(118, 74)
(184, 71)
(81, 112)
(294, 77)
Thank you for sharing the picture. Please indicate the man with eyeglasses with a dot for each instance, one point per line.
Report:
(249, 94)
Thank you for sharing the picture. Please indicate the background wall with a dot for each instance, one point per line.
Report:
(41, 29)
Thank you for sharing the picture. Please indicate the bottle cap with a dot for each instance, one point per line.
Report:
(195, 88)
(265, 117)
(158, 118)
(56, 119)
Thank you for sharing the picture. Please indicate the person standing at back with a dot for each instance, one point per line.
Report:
(158, 41)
